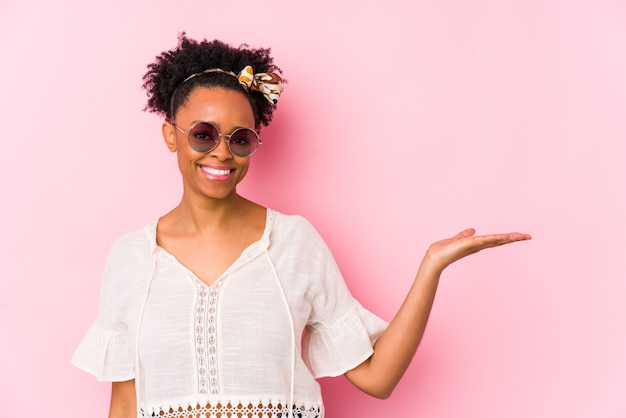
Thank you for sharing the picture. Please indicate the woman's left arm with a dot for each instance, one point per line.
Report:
(380, 374)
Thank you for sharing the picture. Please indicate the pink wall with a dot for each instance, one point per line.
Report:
(399, 126)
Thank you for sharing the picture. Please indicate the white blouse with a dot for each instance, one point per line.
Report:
(251, 343)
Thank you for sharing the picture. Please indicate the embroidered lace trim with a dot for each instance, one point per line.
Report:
(235, 410)
(206, 337)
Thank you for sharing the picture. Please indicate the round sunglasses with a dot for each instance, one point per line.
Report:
(205, 137)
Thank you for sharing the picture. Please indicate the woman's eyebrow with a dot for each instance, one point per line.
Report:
(217, 125)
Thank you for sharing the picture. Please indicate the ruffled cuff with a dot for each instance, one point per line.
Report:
(332, 351)
(105, 354)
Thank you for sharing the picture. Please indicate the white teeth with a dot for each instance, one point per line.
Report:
(215, 171)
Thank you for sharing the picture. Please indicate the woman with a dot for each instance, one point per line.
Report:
(223, 307)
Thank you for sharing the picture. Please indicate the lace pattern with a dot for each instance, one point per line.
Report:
(206, 337)
(235, 410)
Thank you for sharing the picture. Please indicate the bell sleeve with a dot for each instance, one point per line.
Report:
(105, 349)
(340, 333)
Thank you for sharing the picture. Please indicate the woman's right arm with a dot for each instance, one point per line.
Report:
(123, 400)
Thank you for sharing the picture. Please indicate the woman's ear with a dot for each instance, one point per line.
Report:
(169, 135)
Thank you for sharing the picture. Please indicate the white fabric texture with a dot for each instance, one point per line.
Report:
(230, 343)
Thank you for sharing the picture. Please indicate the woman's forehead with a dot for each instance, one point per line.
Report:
(218, 106)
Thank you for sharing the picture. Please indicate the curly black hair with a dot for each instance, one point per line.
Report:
(167, 91)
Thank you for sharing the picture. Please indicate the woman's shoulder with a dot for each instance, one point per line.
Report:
(129, 263)
(291, 222)
(136, 242)
(294, 227)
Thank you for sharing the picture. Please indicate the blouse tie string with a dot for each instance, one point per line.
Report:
(291, 328)
(139, 322)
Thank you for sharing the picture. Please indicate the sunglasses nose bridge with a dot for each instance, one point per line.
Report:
(220, 144)
(226, 137)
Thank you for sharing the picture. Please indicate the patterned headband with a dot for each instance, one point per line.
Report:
(270, 84)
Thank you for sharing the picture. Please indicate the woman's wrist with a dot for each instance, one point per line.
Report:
(431, 266)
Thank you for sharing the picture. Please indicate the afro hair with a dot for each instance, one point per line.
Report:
(165, 80)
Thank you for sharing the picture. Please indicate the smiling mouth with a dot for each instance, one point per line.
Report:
(215, 171)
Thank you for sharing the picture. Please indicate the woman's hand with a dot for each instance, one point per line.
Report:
(445, 252)
(394, 350)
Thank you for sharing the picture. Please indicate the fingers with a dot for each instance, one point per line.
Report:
(475, 243)
(508, 237)
(466, 233)
(445, 252)
(497, 240)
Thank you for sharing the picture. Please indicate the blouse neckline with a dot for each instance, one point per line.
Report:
(246, 255)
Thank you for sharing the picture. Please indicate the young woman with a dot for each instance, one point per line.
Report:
(222, 307)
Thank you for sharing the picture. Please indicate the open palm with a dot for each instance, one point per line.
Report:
(445, 252)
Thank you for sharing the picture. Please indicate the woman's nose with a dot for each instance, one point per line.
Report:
(222, 151)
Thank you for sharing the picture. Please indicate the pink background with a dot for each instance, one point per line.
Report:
(403, 122)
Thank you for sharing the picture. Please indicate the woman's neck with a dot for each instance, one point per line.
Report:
(193, 214)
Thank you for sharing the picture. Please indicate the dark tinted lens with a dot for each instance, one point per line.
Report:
(203, 137)
(243, 142)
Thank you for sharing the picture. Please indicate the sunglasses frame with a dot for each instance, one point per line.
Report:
(227, 136)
